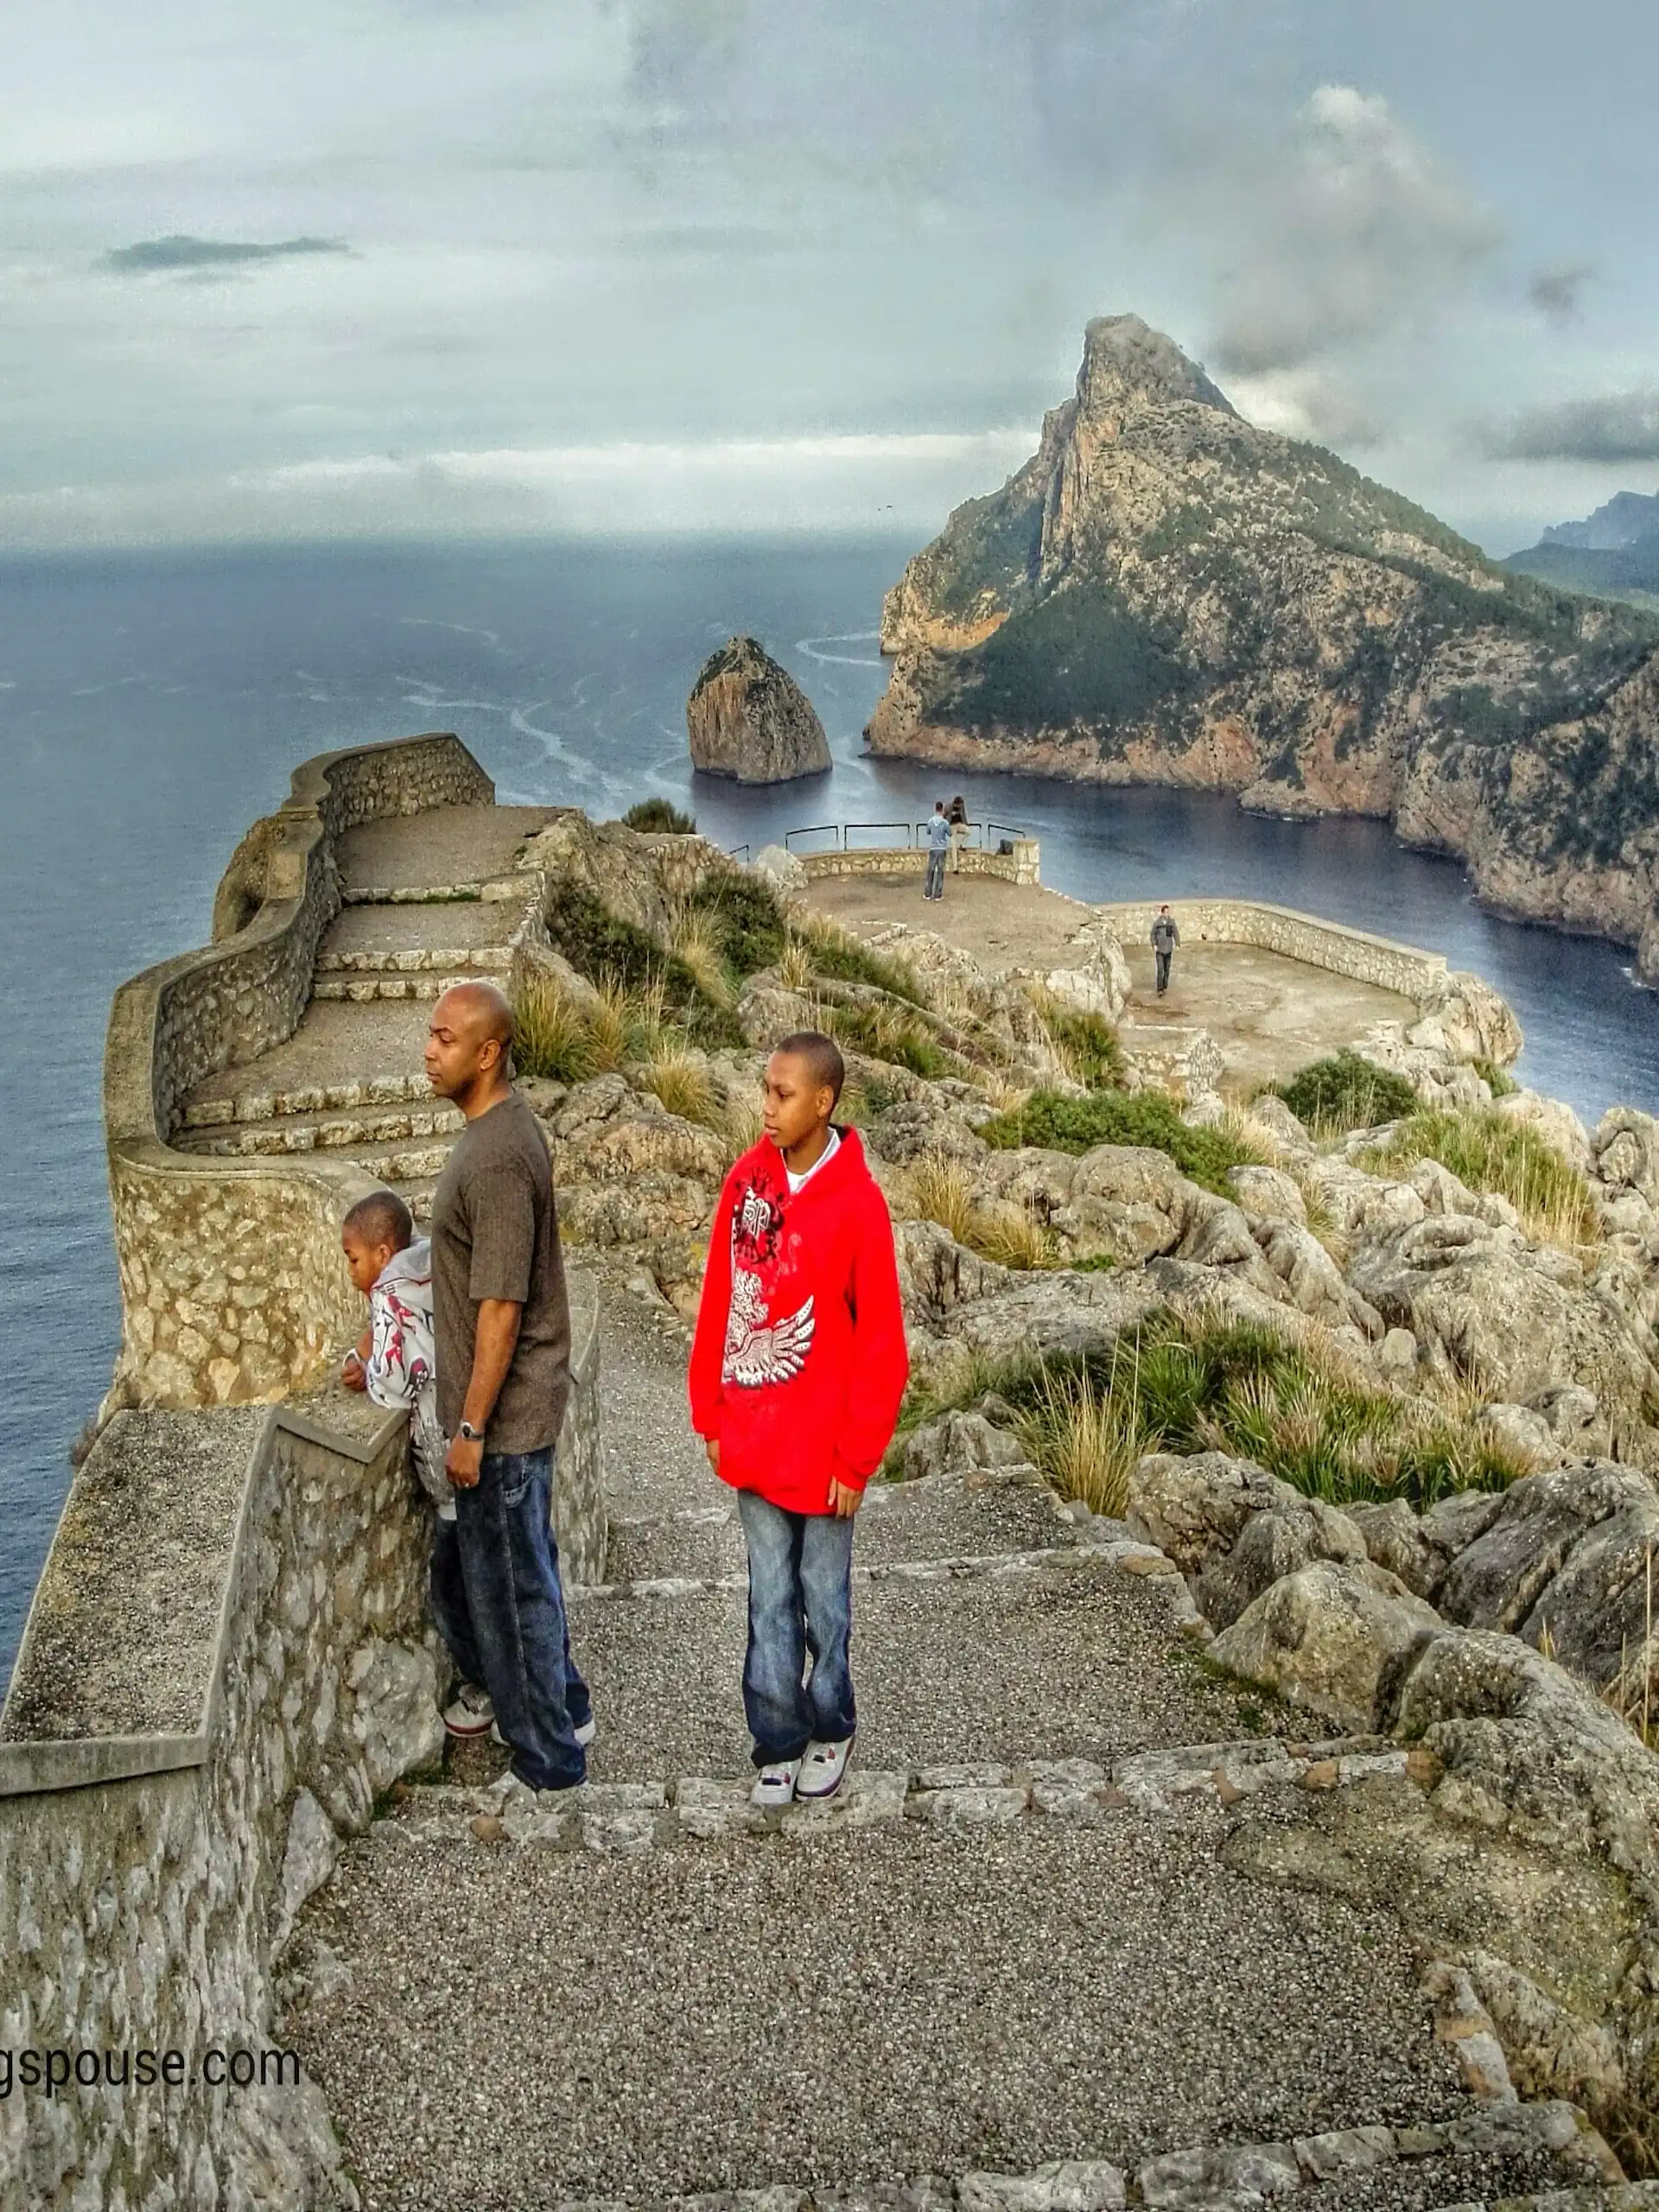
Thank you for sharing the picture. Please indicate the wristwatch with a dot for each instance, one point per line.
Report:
(469, 1435)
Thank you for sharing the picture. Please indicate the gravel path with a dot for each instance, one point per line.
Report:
(719, 2016)
(450, 844)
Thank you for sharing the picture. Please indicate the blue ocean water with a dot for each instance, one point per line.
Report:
(151, 707)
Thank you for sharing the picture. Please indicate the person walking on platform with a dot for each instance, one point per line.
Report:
(939, 844)
(1165, 938)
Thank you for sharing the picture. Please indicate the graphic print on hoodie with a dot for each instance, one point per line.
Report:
(798, 1364)
(402, 1368)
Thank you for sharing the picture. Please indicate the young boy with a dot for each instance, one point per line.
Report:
(395, 1360)
(797, 1368)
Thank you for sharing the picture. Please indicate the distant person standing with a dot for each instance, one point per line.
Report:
(958, 817)
(939, 844)
(1165, 938)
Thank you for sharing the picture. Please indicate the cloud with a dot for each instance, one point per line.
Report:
(1307, 403)
(1608, 427)
(180, 251)
(1556, 293)
(1353, 233)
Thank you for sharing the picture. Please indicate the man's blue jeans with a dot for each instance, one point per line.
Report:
(497, 1603)
(933, 884)
(800, 1603)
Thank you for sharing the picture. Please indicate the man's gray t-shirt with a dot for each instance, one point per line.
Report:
(495, 1233)
(938, 833)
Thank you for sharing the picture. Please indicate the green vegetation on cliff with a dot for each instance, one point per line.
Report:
(1054, 1122)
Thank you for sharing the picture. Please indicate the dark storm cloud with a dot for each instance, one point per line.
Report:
(1610, 427)
(180, 251)
(1557, 293)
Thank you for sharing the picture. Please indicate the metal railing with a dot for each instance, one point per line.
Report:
(830, 829)
(737, 852)
(980, 835)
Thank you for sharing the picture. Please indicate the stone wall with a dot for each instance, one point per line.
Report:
(1354, 953)
(1022, 865)
(227, 1661)
(231, 1286)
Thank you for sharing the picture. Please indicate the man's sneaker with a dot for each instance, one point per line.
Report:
(822, 1767)
(471, 1713)
(584, 1735)
(774, 1786)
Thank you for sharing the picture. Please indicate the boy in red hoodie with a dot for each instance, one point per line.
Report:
(797, 1368)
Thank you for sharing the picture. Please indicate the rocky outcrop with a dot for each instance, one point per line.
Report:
(1166, 594)
(748, 717)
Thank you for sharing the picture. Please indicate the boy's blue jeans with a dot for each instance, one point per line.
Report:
(497, 1603)
(800, 1604)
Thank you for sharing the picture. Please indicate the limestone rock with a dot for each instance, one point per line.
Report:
(1267, 1194)
(1275, 1117)
(1503, 1576)
(958, 1443)
(396, 1717)
(748, 717)
(786, 875)
(1194, 1508)
(913, 1130)
(1626, 1149)
(310, 1856)
(1395, 1538)
(1311, 1278)
(1335, 1638)
(1271, 1545)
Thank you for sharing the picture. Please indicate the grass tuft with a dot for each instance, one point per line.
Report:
(1487, 1151)
(1086, 1043)
(679, 1079)
(1074, 1435)
(550, 1035)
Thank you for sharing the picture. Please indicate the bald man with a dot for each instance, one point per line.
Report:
(503, 1329)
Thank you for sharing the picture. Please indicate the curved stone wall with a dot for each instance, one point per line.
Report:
(227, 1661)
(1331, 945)
(230, 1289)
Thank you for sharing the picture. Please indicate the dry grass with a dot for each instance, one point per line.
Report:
(795, 968)
(943, 1190)
(1631, 1691)
(1077, 1438)
(1013, 1235)
(694, 935)
(610, 1027)
(741, 1125)
(549, 1034)
(678, 1077)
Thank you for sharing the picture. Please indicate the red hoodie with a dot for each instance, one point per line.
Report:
(799, 1363)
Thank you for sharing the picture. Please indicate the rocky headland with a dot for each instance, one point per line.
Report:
(748, 717)
(1166, 594)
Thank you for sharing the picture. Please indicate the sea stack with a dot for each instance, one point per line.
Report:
(748, 718)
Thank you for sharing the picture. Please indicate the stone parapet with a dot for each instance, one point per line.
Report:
(1023, 864)
(226, 1663)
(231, 1286)
(1354, 953)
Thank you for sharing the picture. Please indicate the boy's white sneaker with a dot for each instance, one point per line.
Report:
(471, 1714)
(822, 1767)
(774, 1786)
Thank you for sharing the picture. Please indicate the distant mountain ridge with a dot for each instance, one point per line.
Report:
(1612, 554)
(1164, 593)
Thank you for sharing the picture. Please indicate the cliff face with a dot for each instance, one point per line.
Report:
(1165, 594)
(748, 717)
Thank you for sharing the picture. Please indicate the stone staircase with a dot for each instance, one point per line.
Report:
(422, 908)
(1026, 1962)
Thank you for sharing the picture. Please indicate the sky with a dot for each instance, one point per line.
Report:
(336, 269)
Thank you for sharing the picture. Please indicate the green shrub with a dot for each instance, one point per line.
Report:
(658, 815)
(1178, 1386)
(750, 922)
(838, 955)
(1061, 1124)
(1497, 1080)
(1088, 1042)
(886, 1033)
(606, 947)
(1488, 1151)
(1344, 1092)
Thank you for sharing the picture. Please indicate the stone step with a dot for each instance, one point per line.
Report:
(227, 1107)
(363, 990)
(633, 1816)
(400, 1167)
(477, 959)
(411, 894)
(936, 1517)
(293, 1133)
(1069, 1654)
(835, 2015)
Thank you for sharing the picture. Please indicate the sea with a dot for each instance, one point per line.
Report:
(152, 705)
